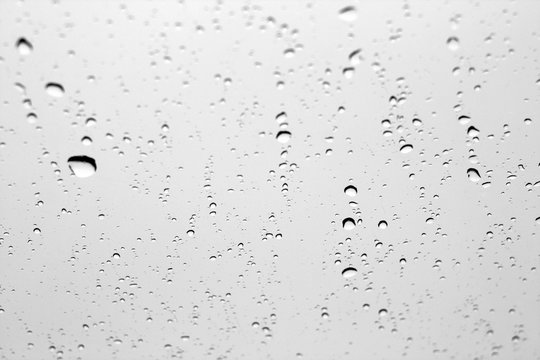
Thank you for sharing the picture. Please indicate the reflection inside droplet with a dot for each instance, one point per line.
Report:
(82, 166)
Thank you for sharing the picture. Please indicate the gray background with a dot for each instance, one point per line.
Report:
(134, 262)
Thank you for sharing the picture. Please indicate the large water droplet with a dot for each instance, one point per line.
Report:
(348, 13)
(405, 149)
(349, 272)
(82, 166)
(283, 136)
(464, 119)
(348, 223)
(473, 175)
(472, 131)
(24, 46)
(350, 190)
(54, 89)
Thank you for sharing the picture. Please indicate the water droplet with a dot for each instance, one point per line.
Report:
(24, 46)
(527, 121)
(281, 117)
(464, 119)
(86, 141)
(37, 231)
(90, 122)
(349, 272)
(472, 131)
(116, 256)
(453, 43)
(417, 122)
(82, 166)
(382, 224)
(348, 13)
(348, 72)
(405, 149)
(473, 175)
(383, 312)
(54, 89)
(350, 190)
(348, 224)
(283, 136)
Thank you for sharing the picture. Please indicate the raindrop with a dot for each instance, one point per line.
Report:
(383, 312)
(350, 190)
(417, 122)
(382, 224)
(349, 272)
(453, 43)
(116, 256)
(348, 224)
(54, 89)
(82, 166)
(348, 72)
(90, 122)
(405, 149)
(24, 46)
(473, 175)
(472, 131)
(464, 119)
(348, 13)
(86, 141)
(283, 136)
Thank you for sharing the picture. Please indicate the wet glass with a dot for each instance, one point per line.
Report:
(269, 180)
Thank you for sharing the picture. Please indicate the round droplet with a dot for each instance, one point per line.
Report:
(54, 89)
(90, 121)
(348, 72)
(24, 46)
(417, 122)
(283, 136)
(349, 272)
(348, 223)
(86, 140)
(348, 13)
(453, 43)
(382, 224)
(405, 149)
(473, 175)
(350, 190)
(383, 312)
(464, 119)
(82, 166)
(116, 256)
(472, 131)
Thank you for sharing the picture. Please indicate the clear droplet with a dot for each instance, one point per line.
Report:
(90, 122)
(82, 166)
(283, 136)
(472, 131)
(382, 224)
(453, 43)
(55, 90)
(349, 272)
(86, 141)
(405, 149)
(348, 223)
(116, 256)
(464, 119)
(473, 175)
(383, 312)
(350, 190)
(348, 13)
(24, 46)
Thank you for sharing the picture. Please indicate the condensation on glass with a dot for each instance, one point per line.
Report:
(269, 180)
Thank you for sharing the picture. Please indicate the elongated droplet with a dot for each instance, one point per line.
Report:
(473, 175)
(348, 13)
(82, 166)
(405, 149)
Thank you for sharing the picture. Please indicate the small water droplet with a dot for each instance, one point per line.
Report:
(283, 136)
(54, 89)
(86, 140)
(24, 46)
(405, 149)
(348, 13)
(472, 131)
(350, 190)
(453, 43)
(473, 175)
(349, 272)
(464, 119)
(90, 122)
(82, 166)
(116, 256)
(383, 312)
(382, 224)
(348, 223)
(417, 122)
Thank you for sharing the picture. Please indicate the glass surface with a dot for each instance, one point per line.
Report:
(269, 180)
